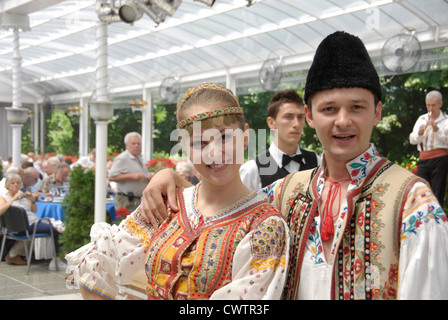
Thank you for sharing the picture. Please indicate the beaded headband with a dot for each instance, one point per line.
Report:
(217, 117)
(202, 86)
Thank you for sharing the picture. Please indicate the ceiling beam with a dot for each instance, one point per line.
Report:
(25, 7)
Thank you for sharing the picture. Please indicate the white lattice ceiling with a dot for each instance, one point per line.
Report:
(198, 42)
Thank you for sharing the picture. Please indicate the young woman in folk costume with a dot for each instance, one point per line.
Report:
(225, 242)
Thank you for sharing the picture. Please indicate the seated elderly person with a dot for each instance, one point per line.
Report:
(15, 197)
(86, 162)
(50, 166)
(184, 169)
(11, 170)
(57, 179)
(31, 180)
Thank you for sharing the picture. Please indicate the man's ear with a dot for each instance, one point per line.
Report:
(309, 116)
(378, 111)
(271, 123)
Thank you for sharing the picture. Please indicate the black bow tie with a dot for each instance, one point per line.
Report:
(287, 159)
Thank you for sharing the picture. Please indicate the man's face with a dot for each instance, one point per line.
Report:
(289, 122)
(30, 180)
(344, 119)
(49, 168)
(433, 105)
(134, 146)
(62, 175)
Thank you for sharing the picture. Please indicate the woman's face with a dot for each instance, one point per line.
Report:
(218, 152)
(14, 186)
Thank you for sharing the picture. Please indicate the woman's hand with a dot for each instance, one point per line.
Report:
(18, 196)
(32, 197)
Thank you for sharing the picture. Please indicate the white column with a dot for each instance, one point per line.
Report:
(42, 129)
(100, 171)
(16, 144)
(16, 115)
(83, 128)
(16, 100)
(36, 128)
(101, 111)
(147, 129)
(231, 82)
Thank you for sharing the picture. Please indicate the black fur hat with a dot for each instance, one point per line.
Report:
(341, 61)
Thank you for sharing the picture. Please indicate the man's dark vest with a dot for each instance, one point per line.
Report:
(269, 171)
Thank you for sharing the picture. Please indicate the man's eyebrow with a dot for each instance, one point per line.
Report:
(325, 103)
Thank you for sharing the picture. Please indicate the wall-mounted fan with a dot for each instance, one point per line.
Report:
(169, 89)
(271, 73)
(401, 52)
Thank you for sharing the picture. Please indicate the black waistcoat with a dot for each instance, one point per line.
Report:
(269, 171)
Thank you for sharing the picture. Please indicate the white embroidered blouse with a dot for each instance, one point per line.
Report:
(117, 253)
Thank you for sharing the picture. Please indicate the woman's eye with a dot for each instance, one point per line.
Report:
(226, 136)
(197, 143)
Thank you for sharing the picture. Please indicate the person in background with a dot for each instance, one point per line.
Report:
(56, 179)
(50, 166)
(31, 181)
(286, 116)
(12, 169)
(185, 169)
(129, 173)
(25, 200)
(86, 162)
(430, 134)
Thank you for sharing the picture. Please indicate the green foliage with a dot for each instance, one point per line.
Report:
(164, 123)
(78, 206)
(123, 122)
(59, 138)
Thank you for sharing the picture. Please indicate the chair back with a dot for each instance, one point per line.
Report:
(15, 220)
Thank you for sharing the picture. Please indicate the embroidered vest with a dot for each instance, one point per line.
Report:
(366, 264)
(187, 263)
(264, 161)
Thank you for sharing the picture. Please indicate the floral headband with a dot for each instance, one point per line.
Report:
(218, 117)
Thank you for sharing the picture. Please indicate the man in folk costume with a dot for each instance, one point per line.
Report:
(362, 227)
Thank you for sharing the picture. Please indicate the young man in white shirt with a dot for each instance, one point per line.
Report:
(286, 118)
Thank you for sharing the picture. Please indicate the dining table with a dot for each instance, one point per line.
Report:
(53, 209)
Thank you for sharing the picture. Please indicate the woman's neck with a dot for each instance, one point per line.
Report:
(213, 198)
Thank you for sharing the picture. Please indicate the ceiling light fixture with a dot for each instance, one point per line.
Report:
(130, 12)
(74, 110)
(167, 6)
(107, 14)
(207, 2)
(137, 105)
(153, 12)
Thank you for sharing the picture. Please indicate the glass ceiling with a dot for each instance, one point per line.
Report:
(229, 40)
